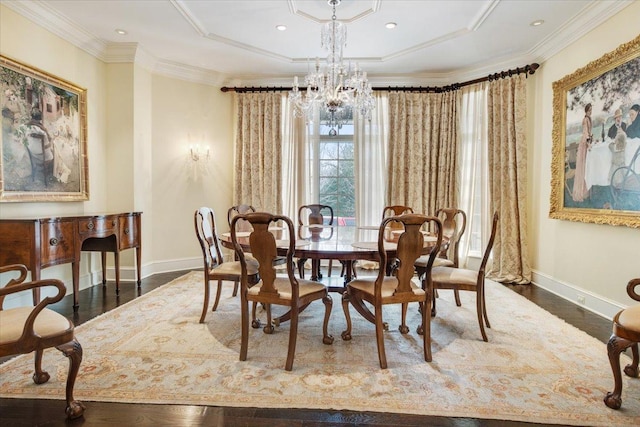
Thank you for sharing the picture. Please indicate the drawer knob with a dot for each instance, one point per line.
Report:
(126, 230)
(53, 241)
(113, 222)
(90, 226)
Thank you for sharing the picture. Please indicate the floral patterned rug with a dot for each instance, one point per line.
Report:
(534, 368)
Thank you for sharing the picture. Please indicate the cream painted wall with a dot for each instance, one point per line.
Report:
(187, 113)
(28, 43)
(142, 159)
(120, 136)
(573, 258)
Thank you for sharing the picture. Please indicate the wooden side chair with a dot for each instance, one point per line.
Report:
(27, 329)
(395, 210)
(468, 280)
(215, 268)
(454, 223)
(314, 214)
(285, 290)
(239, 210)
(626, 333)
(400, 288)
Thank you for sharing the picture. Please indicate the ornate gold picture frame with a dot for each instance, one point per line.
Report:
(44, 136)
(596, 141)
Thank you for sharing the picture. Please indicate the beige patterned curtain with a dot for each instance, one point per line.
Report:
(423, 145)
(258, 157)
(508, 177)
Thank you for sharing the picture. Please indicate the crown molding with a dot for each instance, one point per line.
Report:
(46, 17)
(43, 15)
(571, 31)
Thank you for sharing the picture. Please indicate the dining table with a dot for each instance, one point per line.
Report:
(343, 243)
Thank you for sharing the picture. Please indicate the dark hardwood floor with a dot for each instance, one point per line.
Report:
(98, 300)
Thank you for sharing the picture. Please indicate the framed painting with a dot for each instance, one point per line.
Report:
(596, 141)
(44, 136)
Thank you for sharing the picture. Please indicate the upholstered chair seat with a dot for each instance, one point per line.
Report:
(233, 269)
(389, 286)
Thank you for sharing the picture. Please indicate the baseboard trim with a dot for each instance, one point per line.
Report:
(593, 302)
(128, 273)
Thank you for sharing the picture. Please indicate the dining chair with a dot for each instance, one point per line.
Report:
(285, 290)
(215, 268)
(454, 223)
(395, 210)
(314, 214)
(401, 287)
(468, 280)
(237, 210)
(26, 329)
(626, 333)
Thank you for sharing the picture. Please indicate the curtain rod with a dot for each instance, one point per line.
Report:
(527, 69)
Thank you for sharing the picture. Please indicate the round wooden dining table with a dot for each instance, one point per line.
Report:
(346, 244)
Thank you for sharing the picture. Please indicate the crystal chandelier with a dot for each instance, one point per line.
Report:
(337, 89)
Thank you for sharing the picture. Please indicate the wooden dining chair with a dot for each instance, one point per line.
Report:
(215, 268)
(238, 210)
(626, 333)
(314, 214)
(33, 329)
(286, 290)
(395, 210)
(468, 280)
(401, 287)
(454, 223)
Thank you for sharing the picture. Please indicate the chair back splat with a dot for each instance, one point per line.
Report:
(315, 214)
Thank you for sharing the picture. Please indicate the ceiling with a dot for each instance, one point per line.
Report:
(236, 42)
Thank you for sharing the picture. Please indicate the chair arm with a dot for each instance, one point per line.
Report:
(15, 267)
(28, 329)
(633, 283)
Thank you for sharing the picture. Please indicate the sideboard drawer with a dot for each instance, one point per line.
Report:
(128, 231)
(98, 226)
(57, 242)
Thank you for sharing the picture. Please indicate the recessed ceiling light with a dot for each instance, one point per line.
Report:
(121, 31)
(281, 27)
(537, 23)
(390, 25)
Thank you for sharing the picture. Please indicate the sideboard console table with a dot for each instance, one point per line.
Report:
(43, 242)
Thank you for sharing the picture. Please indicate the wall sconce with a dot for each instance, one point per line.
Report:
(198, 153)
(198, 162)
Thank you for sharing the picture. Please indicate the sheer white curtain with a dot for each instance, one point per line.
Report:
(298, 166)
(370, 155)
(474, 185)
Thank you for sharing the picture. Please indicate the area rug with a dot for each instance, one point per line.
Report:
(535, 367)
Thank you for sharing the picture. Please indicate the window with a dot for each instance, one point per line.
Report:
(336, 176)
